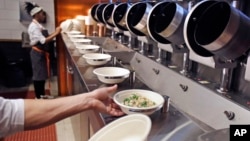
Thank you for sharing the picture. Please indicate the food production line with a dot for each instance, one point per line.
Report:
(196, 52)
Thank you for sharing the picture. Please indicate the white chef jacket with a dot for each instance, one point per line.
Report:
(11, 116)
(35, 33)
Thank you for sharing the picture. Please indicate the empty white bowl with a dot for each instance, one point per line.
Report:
(111, 75)
(66, 25)
(76, 36)
(134, 127)
(153, 96)
(73, 32)
(97, 59)
(78, 41)
(84, 49)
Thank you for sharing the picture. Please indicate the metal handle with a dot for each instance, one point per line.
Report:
(230, 115)
(157, 71)
(138, 60)
(184, 87)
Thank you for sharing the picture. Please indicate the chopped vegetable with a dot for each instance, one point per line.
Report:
(135, 100)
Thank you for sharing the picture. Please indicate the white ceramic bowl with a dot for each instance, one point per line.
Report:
(66, 25)
(84, 49)
(73, 32)
(111, 75)
(97, 59)
(81, 41)
(153, 96)
(134, 127)
(76, 36)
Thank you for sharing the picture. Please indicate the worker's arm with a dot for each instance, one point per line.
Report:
(39, 113)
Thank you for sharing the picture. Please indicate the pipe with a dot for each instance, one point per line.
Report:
(142, 44)
(130, 42)
(226, 80)
(185, 64)
(113, 34)
(159, 59)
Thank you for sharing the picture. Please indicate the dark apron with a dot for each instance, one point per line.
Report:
(38, 60)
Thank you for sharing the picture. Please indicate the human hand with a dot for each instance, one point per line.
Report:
(102, 102)
(58, 30)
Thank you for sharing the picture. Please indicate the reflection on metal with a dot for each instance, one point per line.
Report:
(185, 65)
(165, 107)
(226, 79)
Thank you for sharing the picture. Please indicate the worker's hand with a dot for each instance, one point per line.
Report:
(58, 30)
(102, 102)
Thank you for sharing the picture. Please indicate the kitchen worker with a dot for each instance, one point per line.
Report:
(26, 114)
(39, 39)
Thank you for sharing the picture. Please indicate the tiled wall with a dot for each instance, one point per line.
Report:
(10, 25)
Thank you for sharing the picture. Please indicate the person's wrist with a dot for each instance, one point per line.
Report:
(89, 100)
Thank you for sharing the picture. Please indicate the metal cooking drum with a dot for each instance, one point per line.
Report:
(152, 17)
(223, 30)
(170, 21)
(93, 12)
(119, 15)
(217, 28)
(136, 18)
(190, 25)
(107, 14)
(99, 11)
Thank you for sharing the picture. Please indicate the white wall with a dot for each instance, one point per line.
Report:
(10, 25)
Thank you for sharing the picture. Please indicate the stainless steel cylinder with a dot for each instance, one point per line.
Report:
(136, 18)
(218, 28)
(119, 16)
(170, 22)
(107, 14)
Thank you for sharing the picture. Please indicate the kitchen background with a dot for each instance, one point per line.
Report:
(11, 27)
(13, 57)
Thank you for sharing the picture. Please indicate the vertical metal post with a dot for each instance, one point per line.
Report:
(226, 79)
(185, 63)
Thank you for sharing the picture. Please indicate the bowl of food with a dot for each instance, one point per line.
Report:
(84, 49)
(139, 101)
(111, 75)
(97, 59)
(120, 129)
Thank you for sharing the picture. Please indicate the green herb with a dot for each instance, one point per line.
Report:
(144, 104)
(126, 100)
(134, 96)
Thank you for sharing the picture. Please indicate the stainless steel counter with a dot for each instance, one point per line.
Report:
(171, 126)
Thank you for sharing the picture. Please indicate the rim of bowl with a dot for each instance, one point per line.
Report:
(81, 40)
(76, 35)
(87, 47)
(137, 108)
(123, 120)
(96, 56)
(74, 32)
(125, 72)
